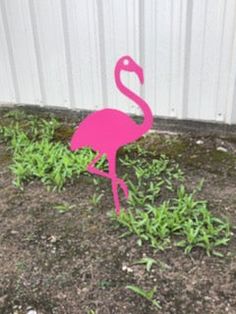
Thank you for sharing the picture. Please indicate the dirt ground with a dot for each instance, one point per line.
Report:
(76, 262)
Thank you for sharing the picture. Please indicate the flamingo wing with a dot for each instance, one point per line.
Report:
(104, 130)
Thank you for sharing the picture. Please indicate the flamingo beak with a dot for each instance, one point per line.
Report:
(139, 72)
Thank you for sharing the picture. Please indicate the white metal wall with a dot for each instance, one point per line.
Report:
(63, 52)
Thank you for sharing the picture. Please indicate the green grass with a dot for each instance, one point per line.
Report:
(35, 154)
(52, 163)
(146, 294)
(184, 221)
(162, 213)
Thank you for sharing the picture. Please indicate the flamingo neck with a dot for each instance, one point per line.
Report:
(148, 117)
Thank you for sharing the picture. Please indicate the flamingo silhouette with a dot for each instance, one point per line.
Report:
(106, 130)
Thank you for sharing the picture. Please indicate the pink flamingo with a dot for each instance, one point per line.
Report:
(106, 130)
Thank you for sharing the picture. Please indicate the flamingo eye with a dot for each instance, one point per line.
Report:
(126, 61)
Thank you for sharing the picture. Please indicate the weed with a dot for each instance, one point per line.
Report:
(148, 261)
(96, 198)
(148, 295)
(63, 208)
(91, 311)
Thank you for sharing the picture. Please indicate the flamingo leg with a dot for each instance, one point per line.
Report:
(92, 169)
(111, 175)
(115, 182)
(115, 195)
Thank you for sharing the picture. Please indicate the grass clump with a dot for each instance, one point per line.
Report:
(189, 220)
(162, 213)
(152, 178)
(52, 163)
(35, 153)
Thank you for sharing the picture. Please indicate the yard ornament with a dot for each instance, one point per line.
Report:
(106, 130)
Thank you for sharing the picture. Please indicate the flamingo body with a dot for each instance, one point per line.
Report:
(105, 131)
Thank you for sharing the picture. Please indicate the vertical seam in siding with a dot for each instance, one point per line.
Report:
(233, 107)
(30, 53)
(89, 44)
(141, 42)
(202, 57)
(67, 48)
(230, 110)
(37, 51)
(10, 51)
(179, 110)
(60, 80)
(220, 64)
(188, 38)
(101, 33)
(98, 64)
(127, 42)
(154, 12)
(170, 58)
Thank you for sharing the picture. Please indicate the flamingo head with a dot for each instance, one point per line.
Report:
(126, 63)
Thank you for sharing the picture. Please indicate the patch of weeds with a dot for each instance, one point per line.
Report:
(37, 155)
(146, 294)
(184, 217)
(151, 177)
(161, 211)
(52, 163)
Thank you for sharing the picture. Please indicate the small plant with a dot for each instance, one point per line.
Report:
(148, 261)
(91, 311)
(63, 208)
(96, 198)
(148, 295)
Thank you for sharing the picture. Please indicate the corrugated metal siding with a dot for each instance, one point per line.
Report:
(63, 52)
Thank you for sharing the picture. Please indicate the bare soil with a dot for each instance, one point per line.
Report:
(76, 262)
